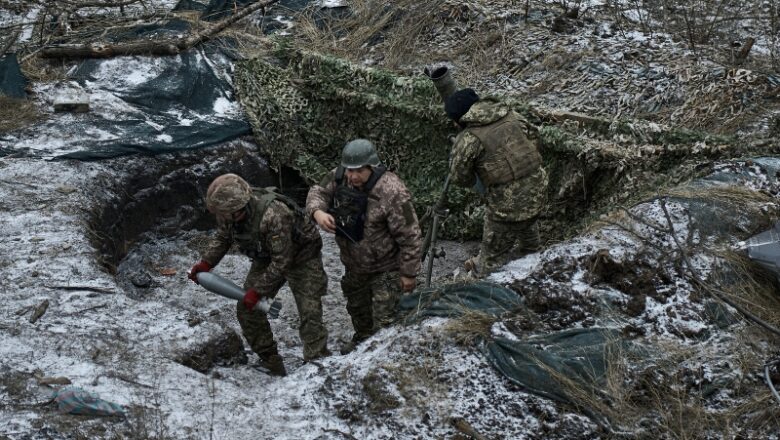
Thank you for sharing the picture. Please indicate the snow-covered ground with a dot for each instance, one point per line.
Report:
(122, 342)
(120, 329)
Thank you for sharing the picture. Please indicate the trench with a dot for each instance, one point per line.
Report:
(152, 218)
(166, 196)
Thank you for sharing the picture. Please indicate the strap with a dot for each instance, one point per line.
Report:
(378, 171)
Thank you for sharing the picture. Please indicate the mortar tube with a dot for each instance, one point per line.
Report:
(442, 79)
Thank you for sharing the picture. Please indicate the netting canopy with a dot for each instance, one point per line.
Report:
(305, 107)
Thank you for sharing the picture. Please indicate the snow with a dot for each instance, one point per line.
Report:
(121, 342)
(332, 3)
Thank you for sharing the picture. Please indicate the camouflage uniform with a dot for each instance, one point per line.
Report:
(390, 248)
(515, 181)
(279, 253)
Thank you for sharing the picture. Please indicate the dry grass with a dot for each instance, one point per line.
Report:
(400, 28)
(16, 113)
(40, 70)
(738, 197)
(738, 278)
(470, 327)
(655, 394)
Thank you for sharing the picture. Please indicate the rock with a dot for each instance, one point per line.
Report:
(141, 280)
(75, 102)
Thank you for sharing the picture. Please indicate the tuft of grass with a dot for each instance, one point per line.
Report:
(742, 281)
(470, 326)
(399, 28)
(16, 113)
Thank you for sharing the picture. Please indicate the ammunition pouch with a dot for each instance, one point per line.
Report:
(349, 211)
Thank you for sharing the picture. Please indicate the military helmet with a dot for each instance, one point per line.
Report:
(359, 153)
(227, 194)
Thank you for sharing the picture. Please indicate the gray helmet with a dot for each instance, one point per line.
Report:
(227, 194)
(359, 153)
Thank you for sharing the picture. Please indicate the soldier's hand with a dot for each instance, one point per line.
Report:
(408, 283)
(325, 221)
(251, 298)
(200, 266)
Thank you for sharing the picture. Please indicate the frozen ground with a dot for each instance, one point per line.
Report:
(120, 341)
(124, 342)
(122, 319)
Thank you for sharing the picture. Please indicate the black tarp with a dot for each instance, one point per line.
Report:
(12, 81)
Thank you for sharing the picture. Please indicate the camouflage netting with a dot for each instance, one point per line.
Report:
(305, 106)
(304, 111)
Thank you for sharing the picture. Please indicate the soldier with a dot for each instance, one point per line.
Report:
(283, 246)
(494, 152)
(371, 212)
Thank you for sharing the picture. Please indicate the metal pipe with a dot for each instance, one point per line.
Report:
(432, 250)
(442, 78)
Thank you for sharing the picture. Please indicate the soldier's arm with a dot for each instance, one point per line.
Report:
(276, 230)
(463, 160)
(320, 195)
(219, 244)
(405, 230)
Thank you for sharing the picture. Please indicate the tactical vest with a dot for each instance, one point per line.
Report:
(349, 205)
(244, 235)
(509, 154)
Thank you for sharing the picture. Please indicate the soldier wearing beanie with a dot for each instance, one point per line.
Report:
(496, 152)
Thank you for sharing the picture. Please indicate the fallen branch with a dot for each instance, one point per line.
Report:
(39, 311)
(90, 288)
(345, 434)
(171, 46)
(463, 426)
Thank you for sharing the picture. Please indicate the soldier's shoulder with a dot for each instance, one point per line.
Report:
(485, 112)
(390, 183)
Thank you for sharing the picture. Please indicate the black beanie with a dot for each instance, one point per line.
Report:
(459, 103)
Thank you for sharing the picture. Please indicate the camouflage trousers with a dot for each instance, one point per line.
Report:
(308, 284)
(371, 300)
(505, 241)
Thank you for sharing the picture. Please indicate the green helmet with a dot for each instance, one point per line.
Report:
(359, 153)
(227, 194)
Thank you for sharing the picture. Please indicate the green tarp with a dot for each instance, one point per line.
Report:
(546, 365)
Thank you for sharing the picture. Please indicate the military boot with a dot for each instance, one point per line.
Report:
(322, 354)
(350, 346)
(272, 365)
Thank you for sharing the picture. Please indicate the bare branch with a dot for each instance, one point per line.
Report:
(171, 46)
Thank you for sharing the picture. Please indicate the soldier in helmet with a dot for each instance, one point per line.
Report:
(495, 152)
(284, 247)
(371, 212)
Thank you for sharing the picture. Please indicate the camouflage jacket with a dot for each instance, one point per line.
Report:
(392, 239)
(272, 237)
(512, 201)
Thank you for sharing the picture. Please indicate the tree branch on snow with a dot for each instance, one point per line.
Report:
(170, 46)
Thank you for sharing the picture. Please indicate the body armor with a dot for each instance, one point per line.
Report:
(509, 154)
(244, 234)
(349, 205)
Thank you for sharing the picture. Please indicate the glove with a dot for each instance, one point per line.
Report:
(200, 266)
(251, 297)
